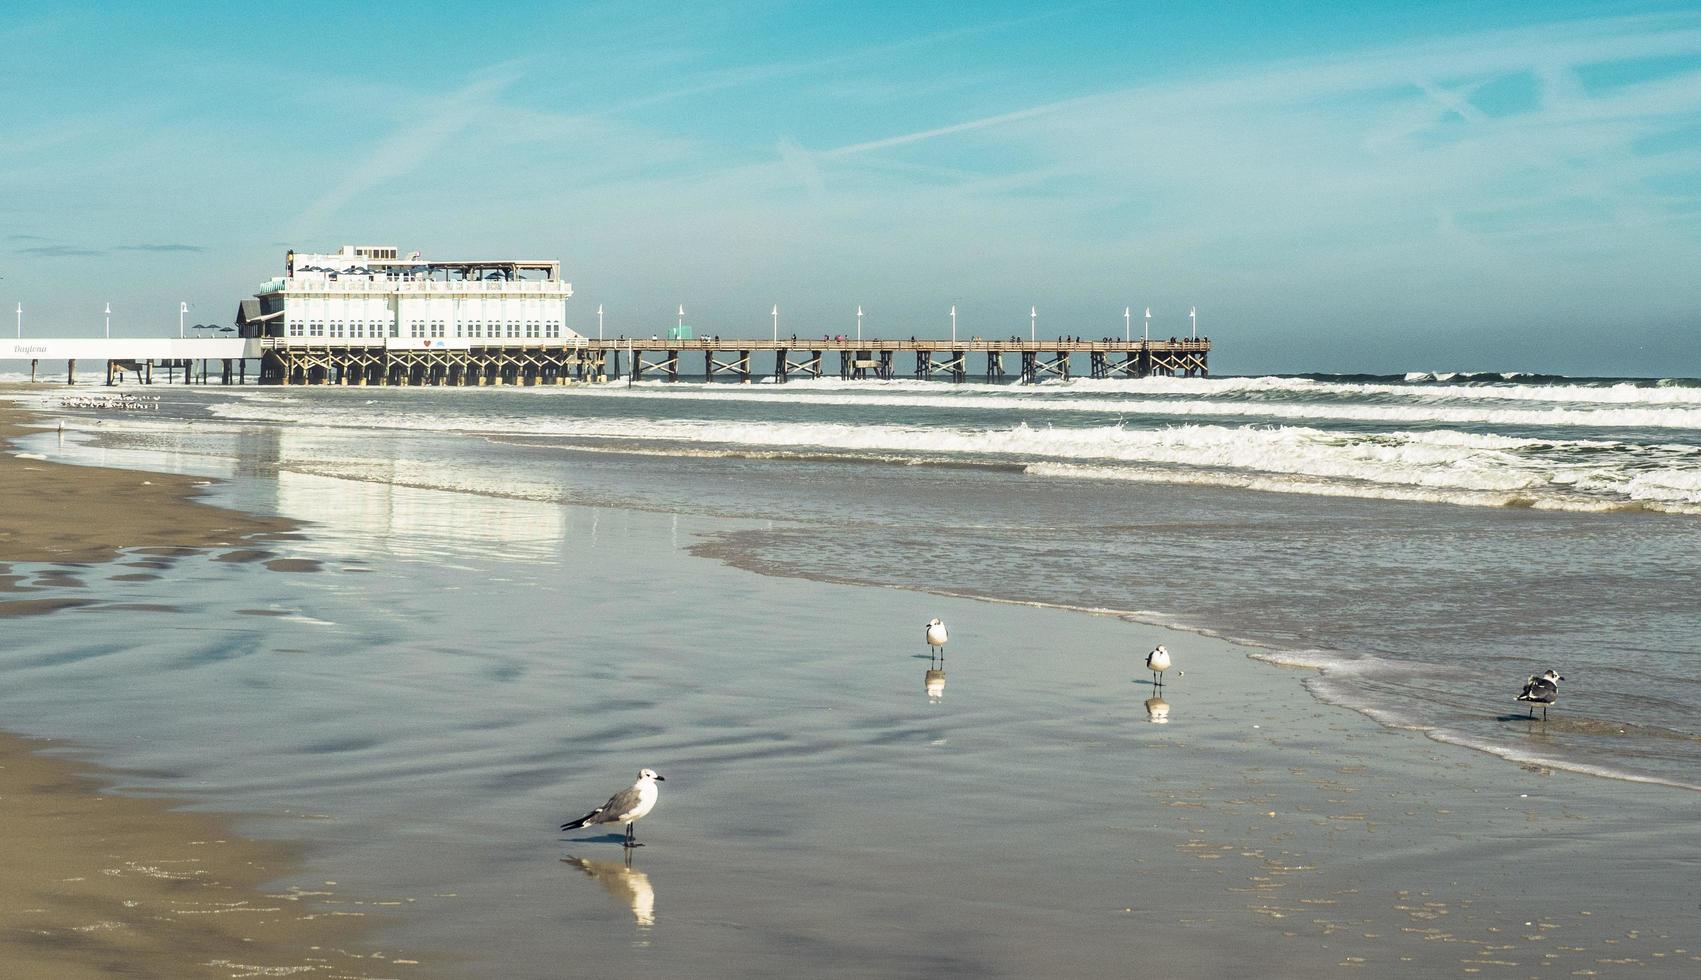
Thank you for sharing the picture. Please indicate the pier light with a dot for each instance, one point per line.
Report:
(1193, 314)
(776, 323)
(1148, 324)
(1127, 324)
(182, 309)
(599, 321)
(953, 323)
(859, 323)
(109, 321)
(682, 318)
(1033, 324)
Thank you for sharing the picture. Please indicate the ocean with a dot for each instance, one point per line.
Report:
(1425, 541)
(1418, 544)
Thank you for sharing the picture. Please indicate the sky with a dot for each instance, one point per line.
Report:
(1380, 187)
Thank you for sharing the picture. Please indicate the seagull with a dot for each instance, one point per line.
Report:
(1157, 662)
(1542, 689)
(627, 806)
(935, 633)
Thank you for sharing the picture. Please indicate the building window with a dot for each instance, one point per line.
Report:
(531, 329)
(295, 328)
(337, 328)
(436, 328)
(316, 328)
(513, 328)
(356, 329)
(554, 328)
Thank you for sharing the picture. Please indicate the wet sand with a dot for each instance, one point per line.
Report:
(97, 885)
(834, 808)
(72, 516)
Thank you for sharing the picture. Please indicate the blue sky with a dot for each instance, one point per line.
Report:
(1483, 186)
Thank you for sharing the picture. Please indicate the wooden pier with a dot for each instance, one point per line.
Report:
(715, 358)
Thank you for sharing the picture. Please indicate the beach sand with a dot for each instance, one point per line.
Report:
(829, 812)
(98, 885)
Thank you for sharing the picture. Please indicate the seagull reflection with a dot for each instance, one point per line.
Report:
(1157, 711)
(934, 683)
(629, 886)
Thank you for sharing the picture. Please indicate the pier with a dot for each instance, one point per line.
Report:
(186, 359)
(578, 359)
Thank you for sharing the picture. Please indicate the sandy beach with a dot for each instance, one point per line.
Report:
(468, 667)
(98, 884)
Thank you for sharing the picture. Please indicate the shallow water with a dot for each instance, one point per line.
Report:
(1423, 614)
(467, 669)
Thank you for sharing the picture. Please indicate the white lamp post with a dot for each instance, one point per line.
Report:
(1193, 314)
(859, 323)
(109, 321)
(682, 318)
(1127, 324)
(953, 323)
(599, 321)
(182, 308)
(776, 323)
(1148, 324)
(1033, 324)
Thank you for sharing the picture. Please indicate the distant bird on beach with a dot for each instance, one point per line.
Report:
(935, 633)
(1542, 689)
(1157, 662)
(627, 806)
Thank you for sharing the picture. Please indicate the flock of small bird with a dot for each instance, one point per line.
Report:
(636, 801)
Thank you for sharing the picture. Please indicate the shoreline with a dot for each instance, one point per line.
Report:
(1231, 830)
(98, 883)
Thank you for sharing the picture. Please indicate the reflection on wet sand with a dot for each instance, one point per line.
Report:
(933, 682)
(629, 886)
(1157, 710)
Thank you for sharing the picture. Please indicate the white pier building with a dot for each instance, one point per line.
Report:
(371, 296)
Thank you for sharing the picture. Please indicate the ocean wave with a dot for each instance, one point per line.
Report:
(1065, 401)
(1442, 465)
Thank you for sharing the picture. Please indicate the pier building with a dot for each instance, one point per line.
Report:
(368, 315)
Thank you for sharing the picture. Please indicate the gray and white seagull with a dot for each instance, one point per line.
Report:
(1542, 689)
(627, 806)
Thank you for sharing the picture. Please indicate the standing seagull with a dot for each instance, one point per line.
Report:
(627, 806)
(1157, 662)
(1542, 690)
(935, 633)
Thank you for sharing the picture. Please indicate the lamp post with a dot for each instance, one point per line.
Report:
(1127, 324)
(182, 308)
(682, 318)
(599, 321)
(1193, 314)
(1033, 324)
(859, 323)
(109, 321)
(776, 323)
(1148, 324)
(953, 324)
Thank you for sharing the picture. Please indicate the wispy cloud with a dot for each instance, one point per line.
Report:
(61, 251)
(410, 146)
(160, 247)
